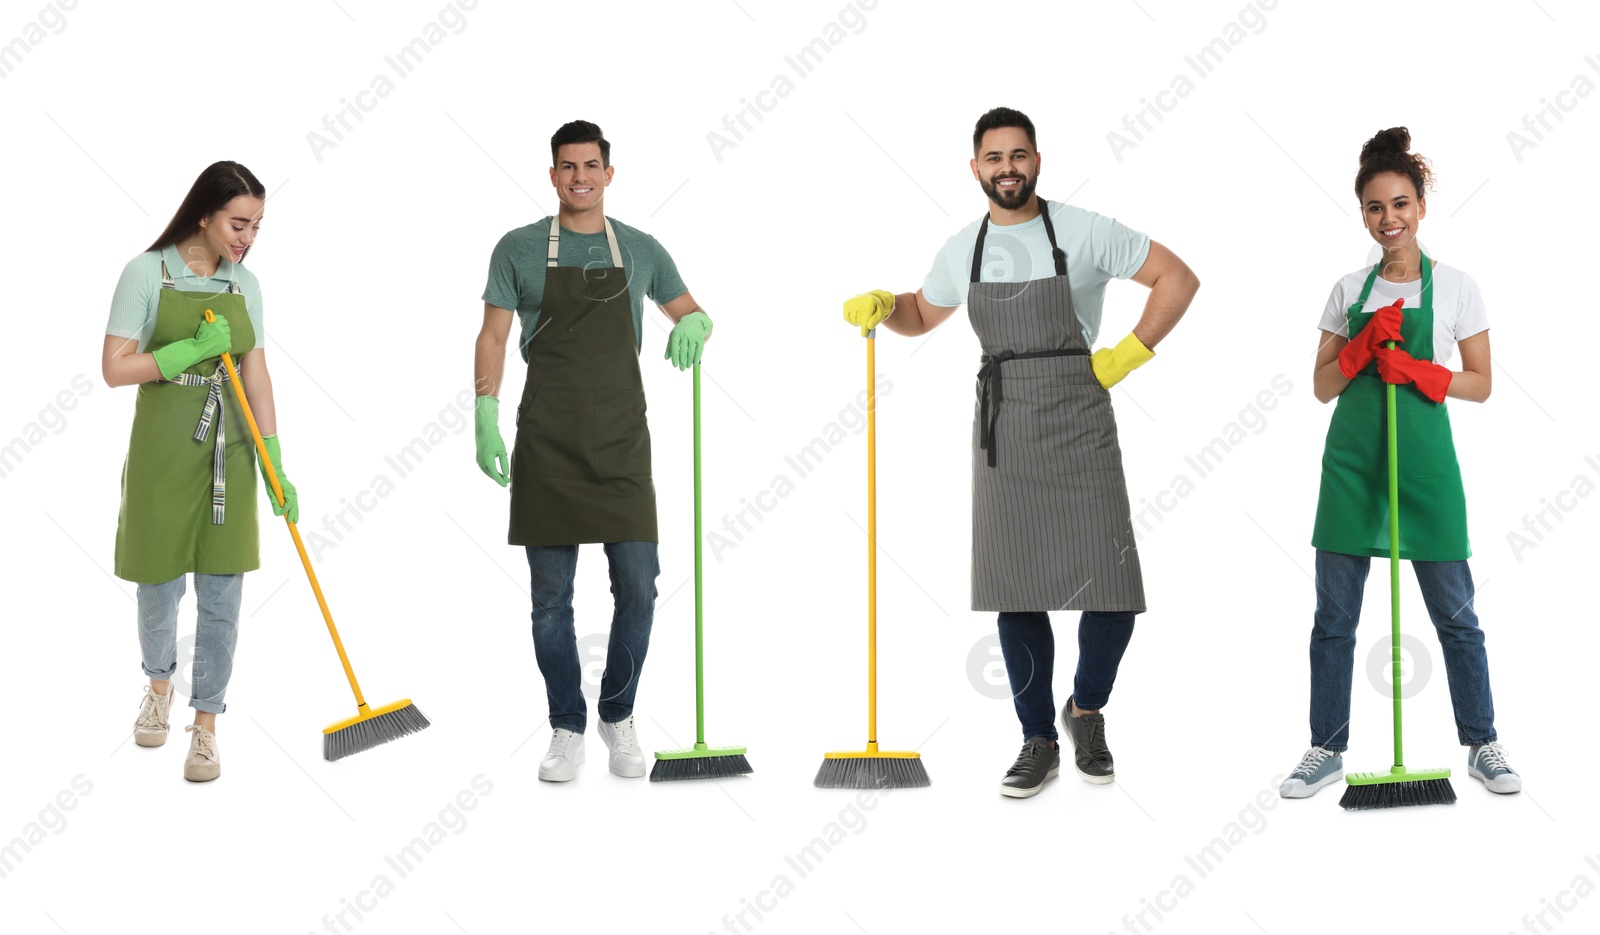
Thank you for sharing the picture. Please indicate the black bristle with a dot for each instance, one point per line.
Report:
(700, 767)
(866, 772)
(364, 735)
(1398, 794)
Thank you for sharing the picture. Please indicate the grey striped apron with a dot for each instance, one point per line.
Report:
(1051, 528)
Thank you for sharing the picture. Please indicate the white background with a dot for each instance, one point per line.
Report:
(372, 261)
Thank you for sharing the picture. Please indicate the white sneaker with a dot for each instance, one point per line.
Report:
(150, 727)
(565, 755)
(627, 760)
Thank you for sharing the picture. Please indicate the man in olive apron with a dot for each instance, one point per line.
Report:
(580, 465)
(1050, 520)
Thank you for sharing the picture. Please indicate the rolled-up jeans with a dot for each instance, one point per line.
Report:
(216, 634)
(634, 568)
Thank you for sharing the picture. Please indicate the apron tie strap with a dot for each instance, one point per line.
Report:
(209, 414)
(990, 386)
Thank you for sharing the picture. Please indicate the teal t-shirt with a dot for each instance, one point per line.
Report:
(516, 271)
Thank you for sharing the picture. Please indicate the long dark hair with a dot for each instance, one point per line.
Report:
(1390, 151)
(220, 183)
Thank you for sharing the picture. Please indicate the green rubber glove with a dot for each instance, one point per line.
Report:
(486, 434)
(210, 340)
(869, 309)
(688, 340)
(291, 503)
(1111, 364)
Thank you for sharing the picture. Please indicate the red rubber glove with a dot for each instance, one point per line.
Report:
(1383, 326)
(1396, 366)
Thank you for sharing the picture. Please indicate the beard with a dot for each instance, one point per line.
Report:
(1010, 199)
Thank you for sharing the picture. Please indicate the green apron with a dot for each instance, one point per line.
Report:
(189, 480)
(580, 466)
(1353, 505)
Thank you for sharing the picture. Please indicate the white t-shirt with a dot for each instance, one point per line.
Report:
(1098, 250)
(1458, 310)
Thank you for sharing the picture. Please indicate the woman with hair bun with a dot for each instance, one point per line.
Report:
(188, 484)
(1429, 310)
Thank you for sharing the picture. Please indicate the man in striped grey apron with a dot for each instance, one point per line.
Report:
(1050, 519)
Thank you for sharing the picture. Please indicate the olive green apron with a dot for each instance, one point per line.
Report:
(1353, 505)
(189, 480)
(580, 466)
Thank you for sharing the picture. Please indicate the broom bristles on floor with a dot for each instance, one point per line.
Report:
(370, 732)
(872, 772)
(700, 767)
(1398, 794)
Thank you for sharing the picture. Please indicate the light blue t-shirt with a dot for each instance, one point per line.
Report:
(138, 293)
(1098, 250)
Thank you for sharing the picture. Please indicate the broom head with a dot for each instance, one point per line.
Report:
(872, 769)
(371, 728)
(1397, 788)
(699, 762)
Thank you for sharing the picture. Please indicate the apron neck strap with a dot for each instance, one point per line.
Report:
(1427, 284)
(552, 258)
(168, 283)
(1058, 254)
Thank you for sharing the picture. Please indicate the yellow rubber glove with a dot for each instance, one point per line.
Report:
(868, 310)
(1111, 364)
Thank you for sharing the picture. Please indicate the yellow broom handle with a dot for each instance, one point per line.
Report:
(277, 491)
(872, 548)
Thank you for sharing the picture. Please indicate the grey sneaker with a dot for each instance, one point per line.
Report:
(1319, 767)
(203, 763)
(1039, 761)
(1488, 765)
(150, 727)
(1090, 754)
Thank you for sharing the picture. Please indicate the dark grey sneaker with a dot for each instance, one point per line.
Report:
(1089, 751)
(1039, 760)
(1488, 765)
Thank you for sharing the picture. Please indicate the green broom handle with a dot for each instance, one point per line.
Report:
(699, 638)
(1394, 567)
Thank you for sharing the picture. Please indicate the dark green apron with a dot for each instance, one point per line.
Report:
(580, 467)
(1353, 505)
(189, 480)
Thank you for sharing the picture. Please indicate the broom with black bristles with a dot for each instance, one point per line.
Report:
(1399, 786)
(872, 768)
(699, 761)
(370, 726)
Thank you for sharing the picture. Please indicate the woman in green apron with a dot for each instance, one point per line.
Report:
(1428, 310)
(188, 483)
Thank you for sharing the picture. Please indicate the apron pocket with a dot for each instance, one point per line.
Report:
(604, 328)
(550, 434)
(621, 434)
(1078, 433)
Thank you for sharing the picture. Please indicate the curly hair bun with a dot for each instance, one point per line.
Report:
(1392, 140)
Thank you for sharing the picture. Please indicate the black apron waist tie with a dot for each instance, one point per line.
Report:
(989, 377)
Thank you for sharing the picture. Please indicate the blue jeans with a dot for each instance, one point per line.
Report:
(1028, 646)
(215, 635)
(634, 568)
(1447, 591)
